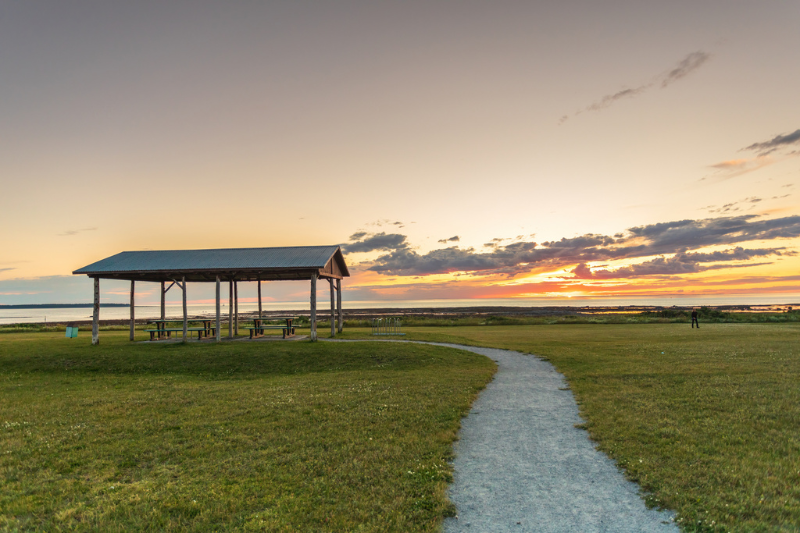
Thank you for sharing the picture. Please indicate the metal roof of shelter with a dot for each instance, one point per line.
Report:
(230, 264)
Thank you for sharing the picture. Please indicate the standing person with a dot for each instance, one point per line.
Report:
(694, 318)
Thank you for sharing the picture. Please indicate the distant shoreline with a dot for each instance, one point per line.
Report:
(460, 309)
(57, 306)
(456, 312)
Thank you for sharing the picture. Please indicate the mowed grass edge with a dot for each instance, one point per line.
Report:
(273, 436)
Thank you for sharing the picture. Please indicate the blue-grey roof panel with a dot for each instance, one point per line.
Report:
(213, 259)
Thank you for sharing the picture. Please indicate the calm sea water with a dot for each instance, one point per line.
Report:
(60, 315)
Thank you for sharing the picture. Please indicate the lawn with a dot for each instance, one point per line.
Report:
(273, 436)
(706, 421)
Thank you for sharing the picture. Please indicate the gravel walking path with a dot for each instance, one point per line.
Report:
(522, 466)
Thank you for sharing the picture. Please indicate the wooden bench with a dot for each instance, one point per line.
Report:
(162, 323)
(259, 331)
(155, 334)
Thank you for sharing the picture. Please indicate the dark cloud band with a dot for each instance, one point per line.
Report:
(676, 237)
(681, 263)
(379, 241)
(779, 141)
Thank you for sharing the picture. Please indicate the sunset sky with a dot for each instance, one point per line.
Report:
(536, 151)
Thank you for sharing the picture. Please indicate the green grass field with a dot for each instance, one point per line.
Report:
(275, 436)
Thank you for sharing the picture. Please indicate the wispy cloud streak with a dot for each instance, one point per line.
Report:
(732, 207)
(685, 66)
(737, 167)
(779, 141)
(71, 232)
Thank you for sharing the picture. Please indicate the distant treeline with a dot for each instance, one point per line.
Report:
(709, 314)
(57, 306)
(656, 316)
(660, 316)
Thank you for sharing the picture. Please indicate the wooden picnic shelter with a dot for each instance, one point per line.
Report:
(232, 265)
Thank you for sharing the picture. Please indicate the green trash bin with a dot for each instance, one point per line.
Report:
(72, 332)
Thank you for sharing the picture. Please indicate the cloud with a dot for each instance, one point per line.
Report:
(378, 241)
(71, 232)
(685, 66)
(659, 266)
(387, 222)
(737, 167)
(454, 289)
(779, 141)
(8, 268)
(734, 254)
(676, 237)
(735, 164)
(405, 262)
(681, 263)
(735, 206)
(454, 238)
(496, 242)
(609, 99)
(665, 237)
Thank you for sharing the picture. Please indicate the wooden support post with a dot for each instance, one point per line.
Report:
(230, 309)
(217, 330)
(339, 304)
(236, 307)
(96, 313)
(185, 317)
(163, 302)
(133, 314)
(333, 308)
(314, 306)
(259, 298)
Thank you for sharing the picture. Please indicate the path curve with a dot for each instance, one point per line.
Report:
(522, 466)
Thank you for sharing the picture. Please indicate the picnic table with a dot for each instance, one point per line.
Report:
(163, 332)
(258, 327)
